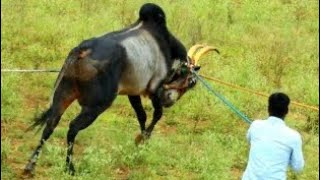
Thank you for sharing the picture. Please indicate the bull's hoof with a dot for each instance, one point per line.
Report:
(27, 173)
(139, 139)
(72, 172)
(70, 169)
(28, 170)
(142, 138)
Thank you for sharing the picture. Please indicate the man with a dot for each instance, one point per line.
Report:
(274, 145)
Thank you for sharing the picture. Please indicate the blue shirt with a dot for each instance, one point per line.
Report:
(274, 146)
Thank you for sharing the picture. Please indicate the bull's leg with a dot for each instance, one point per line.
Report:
(63, 97)
(48, 130)
(135, 102)
(156, 115)
(82, 121)
(96, 95)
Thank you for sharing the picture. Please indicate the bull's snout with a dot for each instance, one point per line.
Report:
(169, 97)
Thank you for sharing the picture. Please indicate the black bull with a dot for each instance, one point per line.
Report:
(143, 59)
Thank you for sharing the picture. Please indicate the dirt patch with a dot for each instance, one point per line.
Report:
(167, 130)
(122, 172)
(236, 172)
(4, 129)
(34, 101)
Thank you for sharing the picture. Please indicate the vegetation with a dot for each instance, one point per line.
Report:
(266, 46)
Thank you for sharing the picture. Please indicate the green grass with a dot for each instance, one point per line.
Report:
(266, 46)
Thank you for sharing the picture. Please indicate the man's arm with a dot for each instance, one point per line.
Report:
(296, 160)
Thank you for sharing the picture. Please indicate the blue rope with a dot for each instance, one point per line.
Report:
(233, 108)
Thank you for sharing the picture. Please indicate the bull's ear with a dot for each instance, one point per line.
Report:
(197, 68)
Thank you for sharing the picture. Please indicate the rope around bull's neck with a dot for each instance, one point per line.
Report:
(223, 99)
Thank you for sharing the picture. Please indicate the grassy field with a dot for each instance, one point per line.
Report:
(266, 46)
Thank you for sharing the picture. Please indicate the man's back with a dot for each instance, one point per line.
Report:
(273, 147)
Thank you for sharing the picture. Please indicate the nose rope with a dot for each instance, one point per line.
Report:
(223, 99)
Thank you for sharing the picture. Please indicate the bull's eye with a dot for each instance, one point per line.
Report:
(184, 71)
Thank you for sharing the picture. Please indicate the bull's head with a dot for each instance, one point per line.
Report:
(181, 77)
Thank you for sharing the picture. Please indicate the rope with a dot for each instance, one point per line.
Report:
(234, 86)
(29, 70)
(223, 99)
(314, 108)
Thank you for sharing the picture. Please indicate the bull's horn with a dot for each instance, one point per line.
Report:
(203, 51)
(192, 50)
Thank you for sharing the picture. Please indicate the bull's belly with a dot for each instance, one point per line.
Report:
(132, 89)
(134, 84)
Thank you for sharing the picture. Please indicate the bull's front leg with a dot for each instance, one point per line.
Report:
(135, 102)
(157, 114)
(156, 117)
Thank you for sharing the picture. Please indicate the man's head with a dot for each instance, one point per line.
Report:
(278, 105)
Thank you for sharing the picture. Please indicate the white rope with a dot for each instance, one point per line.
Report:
(29, 70)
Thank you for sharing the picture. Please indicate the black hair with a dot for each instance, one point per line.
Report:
(278, 105)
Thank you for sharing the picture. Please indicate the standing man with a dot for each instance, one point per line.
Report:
(274, 145)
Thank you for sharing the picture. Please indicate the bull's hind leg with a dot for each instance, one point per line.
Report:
(82, 121)
(95, 96)
(87, 116)
(63, 97)
(53, 120)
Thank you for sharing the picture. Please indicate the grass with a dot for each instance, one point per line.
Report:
(266, 46)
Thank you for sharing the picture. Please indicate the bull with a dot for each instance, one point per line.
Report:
(144, 59)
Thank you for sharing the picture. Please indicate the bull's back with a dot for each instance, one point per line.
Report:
(138, 53)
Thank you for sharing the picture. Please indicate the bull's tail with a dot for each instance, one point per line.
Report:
(41, 120)
(59, 78)
(63, 95)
